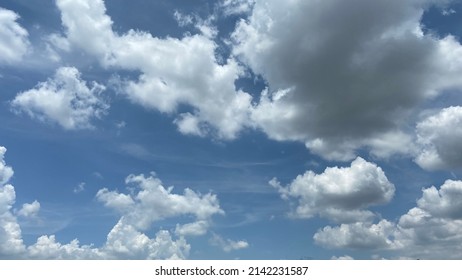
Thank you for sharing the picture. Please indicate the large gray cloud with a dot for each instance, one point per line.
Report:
(343, 74)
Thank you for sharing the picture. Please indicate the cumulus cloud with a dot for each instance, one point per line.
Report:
(445, 202)
(29, 210)
(439, 139)
(126, 242)
(6, 172)
(347, 74)
(154, 202)
(14, 42)
(339, 194)
(228, 245)
(11, 242)
(174, 71)
(423, 235)
(431, 230)
(47, 247)
(357, 236)
(65, 100)
(147, 202)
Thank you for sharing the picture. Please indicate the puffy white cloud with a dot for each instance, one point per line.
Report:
(149, 201)
(47, 247)
(14, 42)
(445, 202)
(153, 202)
(6, 172)
(29, 210)
(11, 243)
(228, 245)
(357, 236)
(65, 99)
(339, 194)
(348, 74)
(173, 71)
(125, 242)
(439, 139)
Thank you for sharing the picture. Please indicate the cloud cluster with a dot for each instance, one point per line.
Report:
(147, 202)
(439, 138)
(347, 74)
(339, 194)
(14, 42)
(173, 71)
(65, 100)
(420, 233)
(432, 229)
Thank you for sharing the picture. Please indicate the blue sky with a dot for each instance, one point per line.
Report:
(230, 129)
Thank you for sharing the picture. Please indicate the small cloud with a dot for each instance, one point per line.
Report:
(80, 188)
(29, 210)
(448, 12)
(97, 175)
(228, 245)
(135, 150)
(121, 124)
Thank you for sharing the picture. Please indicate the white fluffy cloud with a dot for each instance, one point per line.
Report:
(6, 172)
(153, 202)
(357, 236)
(126, 242)
(47, 247)
(11, 243)
(65, 100)
(339, 194)
(347, 74)
(14, 42)
(439, 137)
(445, 202)
(173, 71)
(29, 210)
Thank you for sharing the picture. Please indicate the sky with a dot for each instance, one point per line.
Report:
(231, 129)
